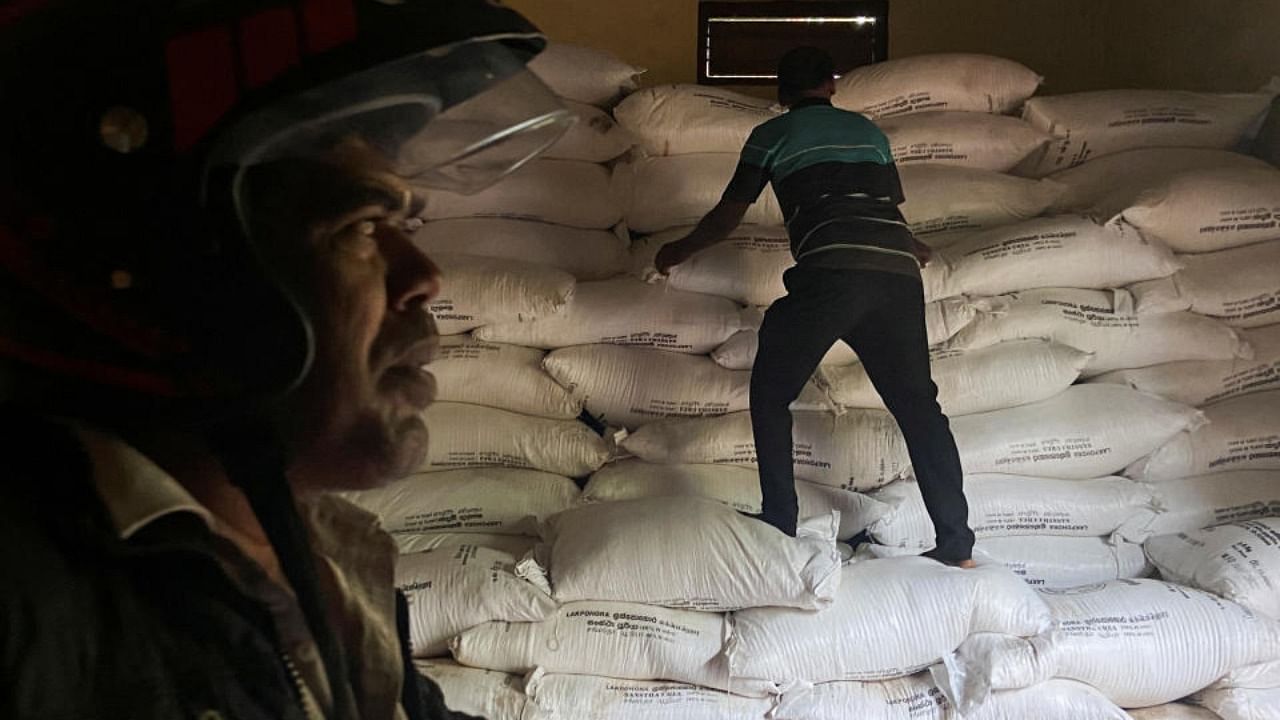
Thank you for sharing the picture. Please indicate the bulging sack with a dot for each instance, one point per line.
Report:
(1067, 251)
(1240, 434)
(944, 202)
(1048, 561)
(478, 290)
(747, 268)
(508, 377)
(1104, 323)
(689, 553)
(452, 589)
(1003, 375)
(1089, 125)
(558, 696)
(583, 74)
(470, 436)
(1200, 382)
(594, 138)
(667, 192)
(943, 81)
(1239, 561)
(504, 501)
(1193, 503)
(1088, 431)
(1173, 711)
(683, 119)
(891, 618)
(1240, 703)
(626, 311)
(563, 192)
(483, 693)
(585, 254)
(964, 139)
(1240, 286)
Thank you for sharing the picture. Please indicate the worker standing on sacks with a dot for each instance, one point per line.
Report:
(856, 279)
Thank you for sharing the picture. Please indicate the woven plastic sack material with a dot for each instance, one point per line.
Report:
(944, 201)
(494, 500)
(963, 139)
(626, 311)
(472, 436)
(563, 192)
(1090, 125)
(942, 81)
(585, 254)
(1107, 185)
(747, 268)
(482, 693)
(1241, 703)
(1209, 209)
(1003, 505)
(1173, 711)
(556, 696)
(514, 545)
(1239, 561)
(859, 450)
(1200, 382)
(1193, 503)
(737, 487)
(508, 377)
(574, 72)
(683, 119)
(612, 639)
(1241, 434)
(1104, 323)
(628, 387)
(942, 319)
(689, 553)
(1088, 431)
(667, 192)
(452, 589)
(891, 618)
(973, 381)
(594, 138)
(1069, 251)
(1065, 562)
(480, 290)
(1240, 286)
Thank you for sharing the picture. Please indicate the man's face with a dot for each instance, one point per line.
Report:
(334, 230)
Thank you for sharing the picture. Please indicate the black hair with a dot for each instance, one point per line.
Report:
(802, 69)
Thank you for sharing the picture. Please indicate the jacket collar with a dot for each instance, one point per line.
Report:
(810, 102)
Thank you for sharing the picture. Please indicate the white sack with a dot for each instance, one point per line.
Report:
(612, 639)
(1239, 561)
(1193, 503)
(1064, 562)
(452, 589)
(1068, 251)
(477, 290)
(483, 693)
(1108, 185)
(1240, 286)
(508, 377)
(1004, 505)
(626, 311)
(1089, 125)
(1173, 711)
(563, 192)
(941, 81)
(583, 74)
(859, 450)
(683, 119)
(962, 139)
(557, 696)
(514, 545)
(1104, 323)
(690, 553)
(891, 618)
(943, 201)
(666, 192)
(747, 267)
(594, 138)
(1240, 434)
(469, 436)
(1209, 209)
(1200, 382)
(502, 501)
(585, 254)
(1241, 703)
(1085, 432)
(1003, 375)
(737, 487)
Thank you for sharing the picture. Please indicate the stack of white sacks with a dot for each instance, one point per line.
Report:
(1106, 339)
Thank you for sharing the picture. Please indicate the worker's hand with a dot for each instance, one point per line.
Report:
(923, 252)
(670, 255)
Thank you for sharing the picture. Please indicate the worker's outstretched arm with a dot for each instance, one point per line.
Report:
(714, 227)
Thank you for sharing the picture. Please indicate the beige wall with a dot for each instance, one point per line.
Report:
(1089, 44)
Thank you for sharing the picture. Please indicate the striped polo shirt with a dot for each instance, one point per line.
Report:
(839, 190)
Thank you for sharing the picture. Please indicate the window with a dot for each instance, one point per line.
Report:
(739, 43)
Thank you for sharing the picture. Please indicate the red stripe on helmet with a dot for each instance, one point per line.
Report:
(268, 45)
(328, 23)
(202, 82)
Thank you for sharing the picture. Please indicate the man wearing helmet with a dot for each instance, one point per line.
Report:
(211, 315)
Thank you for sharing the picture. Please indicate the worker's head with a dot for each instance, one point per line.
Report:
(805, 72)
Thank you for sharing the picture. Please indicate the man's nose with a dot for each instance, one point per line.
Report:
(412, 279)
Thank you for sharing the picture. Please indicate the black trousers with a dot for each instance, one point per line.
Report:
(881, 316)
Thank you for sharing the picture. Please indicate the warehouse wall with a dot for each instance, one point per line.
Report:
(1087, 45)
